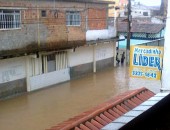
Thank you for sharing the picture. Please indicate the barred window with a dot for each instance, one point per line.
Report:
(73, 18)
(10, 19)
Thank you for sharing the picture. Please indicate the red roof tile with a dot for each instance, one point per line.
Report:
(107, 112)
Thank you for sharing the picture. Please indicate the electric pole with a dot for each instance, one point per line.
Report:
(128, 33)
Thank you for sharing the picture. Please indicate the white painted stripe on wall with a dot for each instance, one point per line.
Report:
(48, 79)
(82, 55)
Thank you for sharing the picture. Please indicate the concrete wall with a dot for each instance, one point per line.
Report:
(81, 70)
(101, 34)
(12, 77)
(105, 63)
(82, 55)
(22, 74)
(44, 80)
(12, 69)
(25, 38)
(85, 59)
(13, 88)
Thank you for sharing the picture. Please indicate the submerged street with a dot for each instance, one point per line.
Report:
(42, 109)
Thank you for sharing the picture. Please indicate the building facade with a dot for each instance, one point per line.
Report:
(43, 42)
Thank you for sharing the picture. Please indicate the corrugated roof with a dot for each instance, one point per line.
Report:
(107, 112)
(141, 27)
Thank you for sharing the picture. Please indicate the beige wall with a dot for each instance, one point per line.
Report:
(118, 3)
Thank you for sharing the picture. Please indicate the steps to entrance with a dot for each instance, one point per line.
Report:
(100, 116)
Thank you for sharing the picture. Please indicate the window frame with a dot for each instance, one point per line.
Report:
(73, 18)
(145, 13)
(43, 13)
(15, 23)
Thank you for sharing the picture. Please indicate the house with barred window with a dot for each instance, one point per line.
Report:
(44, 42)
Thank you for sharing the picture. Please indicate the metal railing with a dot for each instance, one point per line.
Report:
(10, 19)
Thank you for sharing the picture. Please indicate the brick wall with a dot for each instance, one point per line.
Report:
(51, 31)
(97, 18)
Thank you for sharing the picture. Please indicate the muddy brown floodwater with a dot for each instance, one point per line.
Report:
(47, 107)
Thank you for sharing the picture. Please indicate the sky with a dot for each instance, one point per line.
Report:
(150, 2)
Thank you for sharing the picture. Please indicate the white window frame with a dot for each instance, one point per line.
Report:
(11, 20)
(73, 18)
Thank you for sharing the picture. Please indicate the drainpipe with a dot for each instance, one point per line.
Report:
(166, 59)
(94, 58)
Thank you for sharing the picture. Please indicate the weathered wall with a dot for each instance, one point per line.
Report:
(12, 69)
(81, 61)
(22, 74)
(46, 32)
(25, 38)
(50, 33)
(12, 77)
(97, 19)
(83, 55)
(45, 80)
(13, 88)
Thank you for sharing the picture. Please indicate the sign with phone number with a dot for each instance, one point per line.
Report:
(146, 62)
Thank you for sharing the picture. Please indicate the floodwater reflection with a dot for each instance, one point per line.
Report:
(45, 108)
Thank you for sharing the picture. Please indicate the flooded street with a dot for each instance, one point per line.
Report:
(42, 109)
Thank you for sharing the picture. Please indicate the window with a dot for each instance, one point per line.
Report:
(10, 19)
(48, 63)
(51, 63)
(73, 18)
(145, 13)
(43, 13)
(126, 13)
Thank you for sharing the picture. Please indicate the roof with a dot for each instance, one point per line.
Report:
(141, 27)
(137, 114)
(89, 1)
(100, 116)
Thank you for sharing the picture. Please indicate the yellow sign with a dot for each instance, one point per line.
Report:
(146, 62)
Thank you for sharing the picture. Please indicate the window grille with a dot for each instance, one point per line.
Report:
(73, 18)
(10, 19)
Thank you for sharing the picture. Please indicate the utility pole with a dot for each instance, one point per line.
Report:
(128, 33)
(166, 60)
